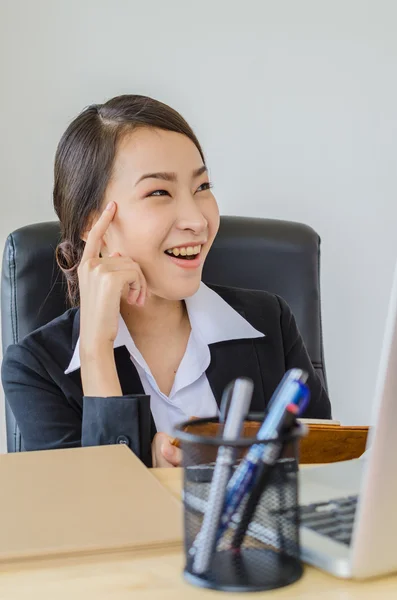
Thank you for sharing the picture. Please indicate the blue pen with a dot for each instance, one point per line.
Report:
(291, 390)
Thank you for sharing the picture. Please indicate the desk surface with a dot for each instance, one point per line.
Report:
(157, 575)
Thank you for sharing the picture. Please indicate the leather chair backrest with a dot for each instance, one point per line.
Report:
(263, 254)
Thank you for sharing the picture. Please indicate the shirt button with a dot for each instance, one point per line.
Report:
(123, 439)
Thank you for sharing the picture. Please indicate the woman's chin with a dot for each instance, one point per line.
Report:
(178, 290)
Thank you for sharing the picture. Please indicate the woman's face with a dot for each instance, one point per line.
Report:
(167, 216)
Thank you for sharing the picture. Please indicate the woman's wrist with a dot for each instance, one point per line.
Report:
(97, 349)
(98, 372)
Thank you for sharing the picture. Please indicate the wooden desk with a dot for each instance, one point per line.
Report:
(157, 576)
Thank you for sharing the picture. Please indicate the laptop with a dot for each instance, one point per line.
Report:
(348, 526)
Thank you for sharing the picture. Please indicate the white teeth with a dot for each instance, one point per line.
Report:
(186, 251)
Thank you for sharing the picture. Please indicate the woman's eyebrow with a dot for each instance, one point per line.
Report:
(200, 171)
(171, 176)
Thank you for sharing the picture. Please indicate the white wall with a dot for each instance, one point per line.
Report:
(294, 102)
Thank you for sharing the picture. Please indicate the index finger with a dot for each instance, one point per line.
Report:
(94, 238)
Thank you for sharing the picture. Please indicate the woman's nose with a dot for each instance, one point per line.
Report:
(191, 217)
(197, 225)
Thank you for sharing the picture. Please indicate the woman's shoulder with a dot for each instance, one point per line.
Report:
(262, 309)
(55, 339)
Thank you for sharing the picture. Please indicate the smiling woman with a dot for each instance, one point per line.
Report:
(146, 344)
(170, 206)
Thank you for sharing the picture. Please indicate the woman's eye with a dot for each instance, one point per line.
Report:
(204, 186)
(159, 193)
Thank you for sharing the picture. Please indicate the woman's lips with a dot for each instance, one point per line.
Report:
(190, 263)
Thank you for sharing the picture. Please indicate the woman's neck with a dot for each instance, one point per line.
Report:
(157, 318)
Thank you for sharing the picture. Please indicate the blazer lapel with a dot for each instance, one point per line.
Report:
(129, 379)
(232, 359)
(128, 375)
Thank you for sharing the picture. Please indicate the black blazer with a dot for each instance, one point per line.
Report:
(52, 412)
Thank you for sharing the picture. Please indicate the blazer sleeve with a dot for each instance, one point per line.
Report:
(296, 356)
(48, 419)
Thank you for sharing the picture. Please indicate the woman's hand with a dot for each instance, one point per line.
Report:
(164, 454)
(102, 281)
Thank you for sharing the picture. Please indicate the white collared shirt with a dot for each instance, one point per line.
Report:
(212, 320)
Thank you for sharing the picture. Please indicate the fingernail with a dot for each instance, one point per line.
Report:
(109, 206)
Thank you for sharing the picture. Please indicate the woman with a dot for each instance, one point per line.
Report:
(146, 344)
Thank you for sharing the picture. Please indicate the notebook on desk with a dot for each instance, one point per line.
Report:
(83, 500)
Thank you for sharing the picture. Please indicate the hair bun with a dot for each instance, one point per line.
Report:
(67, 256)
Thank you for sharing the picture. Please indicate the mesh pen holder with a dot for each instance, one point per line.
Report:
(269, 554)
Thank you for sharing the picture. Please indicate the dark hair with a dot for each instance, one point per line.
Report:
(83, 166)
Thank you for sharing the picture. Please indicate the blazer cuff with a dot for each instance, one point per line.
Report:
(118, 420)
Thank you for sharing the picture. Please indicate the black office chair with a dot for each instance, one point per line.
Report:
(262, 254)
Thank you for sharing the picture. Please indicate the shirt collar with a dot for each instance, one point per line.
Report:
(212, 319)
(215, 320)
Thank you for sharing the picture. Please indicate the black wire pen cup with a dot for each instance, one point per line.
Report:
(259, 549)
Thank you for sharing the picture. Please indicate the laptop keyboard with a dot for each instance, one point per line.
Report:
(334, 519)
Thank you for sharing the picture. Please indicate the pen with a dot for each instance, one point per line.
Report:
(240, 394)
(290, 391)
(263, 473)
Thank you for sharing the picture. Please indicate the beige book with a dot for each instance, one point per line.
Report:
(83, 500)
(319, 421)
